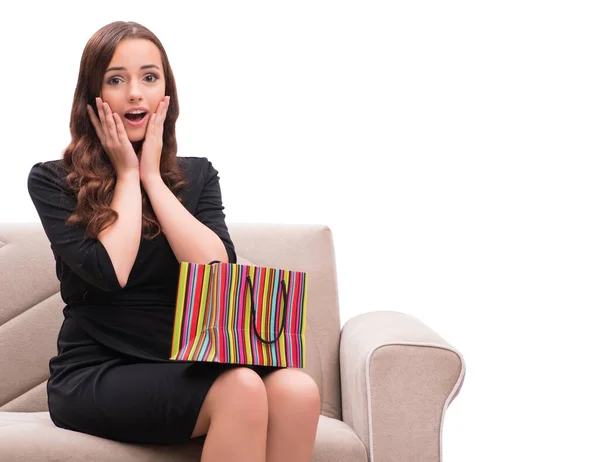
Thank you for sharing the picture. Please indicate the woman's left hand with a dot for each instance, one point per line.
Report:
(153, 142)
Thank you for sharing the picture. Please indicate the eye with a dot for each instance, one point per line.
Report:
(154, 76)
(111, 79)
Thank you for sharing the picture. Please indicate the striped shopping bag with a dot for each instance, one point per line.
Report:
(243, 314)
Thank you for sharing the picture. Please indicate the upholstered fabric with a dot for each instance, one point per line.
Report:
(28, 436)
(386, 351)
(385, 378)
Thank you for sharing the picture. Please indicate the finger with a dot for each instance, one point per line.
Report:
(101, 113)
(163, 111)
(161, 123)
(121, 133)
(151, 125)
(159, 113)
(110, 122)
(95, 121)
(166, 108)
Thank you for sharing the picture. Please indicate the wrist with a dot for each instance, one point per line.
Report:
(153, 178)
(128, 175)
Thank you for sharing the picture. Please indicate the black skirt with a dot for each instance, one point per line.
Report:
(98, 391)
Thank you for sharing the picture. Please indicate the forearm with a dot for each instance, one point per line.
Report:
(190, 240)
(122, 238)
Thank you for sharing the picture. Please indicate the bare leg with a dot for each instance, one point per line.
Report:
(234, 418)
(294, 409)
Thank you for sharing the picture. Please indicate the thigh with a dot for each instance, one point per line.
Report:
(239, 393)
(138, 402)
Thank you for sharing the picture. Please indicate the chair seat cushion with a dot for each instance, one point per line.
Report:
(33, 436)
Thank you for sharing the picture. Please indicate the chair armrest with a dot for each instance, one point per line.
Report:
(397, 379)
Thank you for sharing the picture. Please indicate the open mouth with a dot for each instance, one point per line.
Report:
(136, 119)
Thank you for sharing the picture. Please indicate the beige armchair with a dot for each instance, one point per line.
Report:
(385, 378)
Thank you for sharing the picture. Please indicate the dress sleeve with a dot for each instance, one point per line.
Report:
(87, 257)
(209, 210)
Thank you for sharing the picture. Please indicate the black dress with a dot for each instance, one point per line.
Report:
(112, 377)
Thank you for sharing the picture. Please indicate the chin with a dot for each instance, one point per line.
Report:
(135, 139)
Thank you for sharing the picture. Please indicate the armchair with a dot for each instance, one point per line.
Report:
(385, 378)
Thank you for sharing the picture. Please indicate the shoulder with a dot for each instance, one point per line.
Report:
(48, 172)
(197, 169)
(195, 164)
(49, 167)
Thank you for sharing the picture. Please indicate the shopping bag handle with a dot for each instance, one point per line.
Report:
(253, 309)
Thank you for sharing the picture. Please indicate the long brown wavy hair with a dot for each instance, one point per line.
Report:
(91, 175)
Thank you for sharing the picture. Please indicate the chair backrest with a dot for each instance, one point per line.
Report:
(31, 305)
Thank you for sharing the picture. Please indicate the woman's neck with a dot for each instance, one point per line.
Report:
(137, 146)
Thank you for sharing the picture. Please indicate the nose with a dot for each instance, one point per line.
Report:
(134, 92)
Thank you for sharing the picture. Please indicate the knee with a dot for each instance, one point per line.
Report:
(294, 392)
(243, 394)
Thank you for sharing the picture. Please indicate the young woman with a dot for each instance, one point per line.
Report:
(121, 210)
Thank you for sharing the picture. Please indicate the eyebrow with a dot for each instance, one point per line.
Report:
(121, 68)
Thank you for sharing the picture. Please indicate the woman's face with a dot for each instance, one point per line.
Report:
(134, 79)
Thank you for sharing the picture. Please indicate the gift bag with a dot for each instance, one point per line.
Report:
(243, 314)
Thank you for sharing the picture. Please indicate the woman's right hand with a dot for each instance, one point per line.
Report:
(114, 139)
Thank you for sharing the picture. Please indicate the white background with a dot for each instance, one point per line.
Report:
(452, 147)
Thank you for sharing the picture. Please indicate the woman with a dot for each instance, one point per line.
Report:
(121, 210)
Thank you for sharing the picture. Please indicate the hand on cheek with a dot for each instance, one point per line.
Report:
(153, 142)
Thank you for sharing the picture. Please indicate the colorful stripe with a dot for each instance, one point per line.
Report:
(213, 315)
